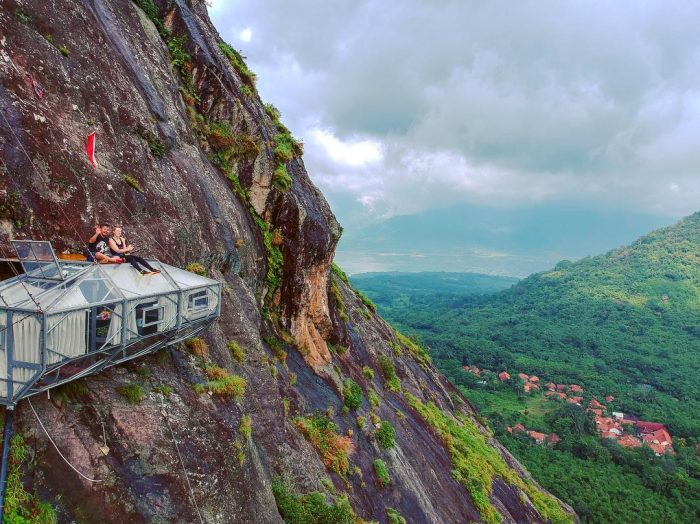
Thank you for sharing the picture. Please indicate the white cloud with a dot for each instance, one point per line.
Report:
(353, 153)
(415, 105)
(246, 35)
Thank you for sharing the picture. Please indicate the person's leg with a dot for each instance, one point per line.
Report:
(134, 262)
(148, 266)
(102, 258)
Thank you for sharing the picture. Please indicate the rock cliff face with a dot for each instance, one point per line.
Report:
(198, 169)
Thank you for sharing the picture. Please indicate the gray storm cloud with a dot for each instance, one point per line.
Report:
(489, 102)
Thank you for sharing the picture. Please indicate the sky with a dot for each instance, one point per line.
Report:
(410, 107)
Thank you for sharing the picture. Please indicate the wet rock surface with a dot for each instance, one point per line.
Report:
(179, 456)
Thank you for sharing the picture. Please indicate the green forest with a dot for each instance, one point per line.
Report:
(626, 324)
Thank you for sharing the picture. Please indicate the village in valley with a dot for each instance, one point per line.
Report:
(626, 429)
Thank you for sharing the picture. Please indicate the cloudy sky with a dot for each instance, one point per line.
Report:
(408, 107)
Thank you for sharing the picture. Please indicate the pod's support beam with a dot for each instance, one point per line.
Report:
(7, 435)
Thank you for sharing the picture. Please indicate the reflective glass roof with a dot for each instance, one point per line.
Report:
(89, 283)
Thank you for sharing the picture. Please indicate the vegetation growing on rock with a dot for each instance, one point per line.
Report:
(20, 506)
(70, 391)
(281, 179)
(339, 302)
(382, 473)
(391, 379)
(196, 267)
(374, 400)
(230, 146)
(366, 301)
(133, 393)
(275, 259)
(246, 427)
(352, 394)
(322, 434)
(476, 463)
(238, 64)
(236, 351)
(385, 435)
(312, 507)
(394, 516)
(286, 148)
(198, 347)
(231, 386)
(132, 182)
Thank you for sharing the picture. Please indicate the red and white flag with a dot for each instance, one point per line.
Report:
(90, 148)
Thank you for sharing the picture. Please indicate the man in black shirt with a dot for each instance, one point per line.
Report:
(98, 245)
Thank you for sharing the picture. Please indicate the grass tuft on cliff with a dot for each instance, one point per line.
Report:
(385, 435)
(322, 434)
(281, 179)
(382, 473)
(238, 64)
(22, 507)
(231, 386)
(476, 463)
(352, 394)
(312, 507)
(275, 259)
(133, 393)
(391, 379)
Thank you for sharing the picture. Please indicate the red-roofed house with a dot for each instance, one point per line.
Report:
(596, 412)
(609, 398)
(575, 388)
(550, 393)
(533, 378)
(523, 376)
(518, 428)
(628, 441)
(662, 436)
(561, 395)
(537, 436)
(595, 404)
(503, 375)
(605, 424)
(551, 386)
(561, 387)
(648, 427)
(658, 449)
(575, 400)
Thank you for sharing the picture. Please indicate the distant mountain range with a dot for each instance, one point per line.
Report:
(477, 239)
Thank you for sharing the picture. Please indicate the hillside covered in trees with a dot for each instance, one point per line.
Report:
(625, 324)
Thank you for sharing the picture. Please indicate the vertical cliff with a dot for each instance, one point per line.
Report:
(198, 169)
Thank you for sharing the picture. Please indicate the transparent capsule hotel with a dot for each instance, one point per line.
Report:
(63, 320)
